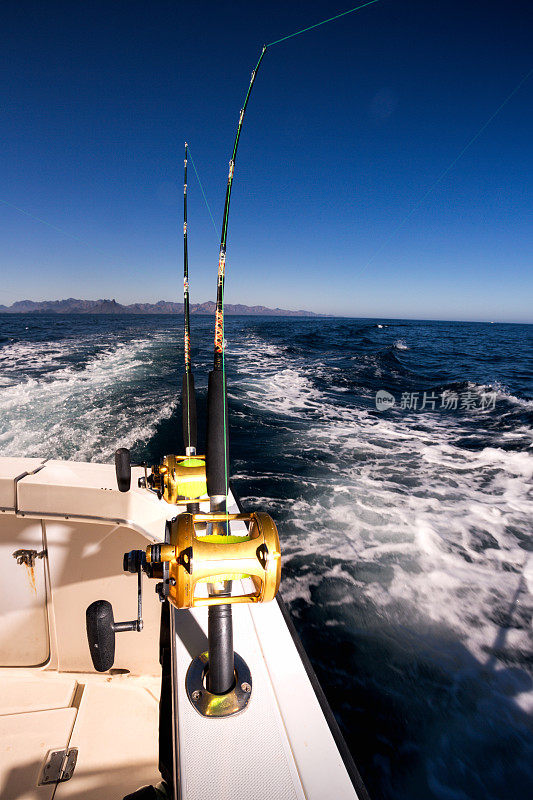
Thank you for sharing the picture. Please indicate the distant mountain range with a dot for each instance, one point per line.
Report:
(73, 306)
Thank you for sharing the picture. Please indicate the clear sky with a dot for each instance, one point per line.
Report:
(348, 126)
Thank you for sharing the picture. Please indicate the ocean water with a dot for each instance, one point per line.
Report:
(406, 532)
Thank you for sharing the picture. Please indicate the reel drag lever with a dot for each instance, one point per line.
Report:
(101, 626)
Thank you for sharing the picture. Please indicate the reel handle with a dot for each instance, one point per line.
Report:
(101, 634)
(123, 469)
(101, 625)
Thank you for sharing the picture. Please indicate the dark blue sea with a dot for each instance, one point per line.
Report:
(406, 530)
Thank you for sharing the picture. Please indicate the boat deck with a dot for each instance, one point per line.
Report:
(280, 747)
(112, 720)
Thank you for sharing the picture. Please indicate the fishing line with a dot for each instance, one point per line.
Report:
(44, 222)
(445, 171)
(82, 241)
(56, 228)
(203, 193)
(101, 253)
(324, 22)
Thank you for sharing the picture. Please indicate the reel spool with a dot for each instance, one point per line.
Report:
(187, 561)
(194, 560)
(179, 479)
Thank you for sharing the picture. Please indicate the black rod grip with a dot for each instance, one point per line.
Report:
(123, 469)
(188, 411)
(221, 668)
(101, 634)
(217, 449)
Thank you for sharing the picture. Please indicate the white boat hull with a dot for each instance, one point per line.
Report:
(51, 698)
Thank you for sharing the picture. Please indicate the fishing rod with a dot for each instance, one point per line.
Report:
(217, 450)
(188, 397)
(220, 626)
(185, 560)
(217, 447)
(221, 657)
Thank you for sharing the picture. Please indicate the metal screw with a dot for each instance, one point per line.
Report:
(196, 696)
(246, 687)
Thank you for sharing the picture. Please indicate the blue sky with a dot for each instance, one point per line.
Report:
(348, 127)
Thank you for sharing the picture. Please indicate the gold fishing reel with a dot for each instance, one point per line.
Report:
(195, 561)
(179, 479)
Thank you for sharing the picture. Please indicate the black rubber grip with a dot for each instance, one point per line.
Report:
(217, 451)
(188, 411)
(123, 469)
(221, 675)
(101, 634)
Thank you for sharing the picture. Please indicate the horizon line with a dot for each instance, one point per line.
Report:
(291, 312)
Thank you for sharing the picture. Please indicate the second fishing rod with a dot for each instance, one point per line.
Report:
(188, 398)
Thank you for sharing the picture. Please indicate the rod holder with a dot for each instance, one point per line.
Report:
(210, 704)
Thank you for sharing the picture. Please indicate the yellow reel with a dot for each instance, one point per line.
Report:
(180, 479)
(197, 560)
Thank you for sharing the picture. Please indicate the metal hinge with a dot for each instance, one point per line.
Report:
(59, 766)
